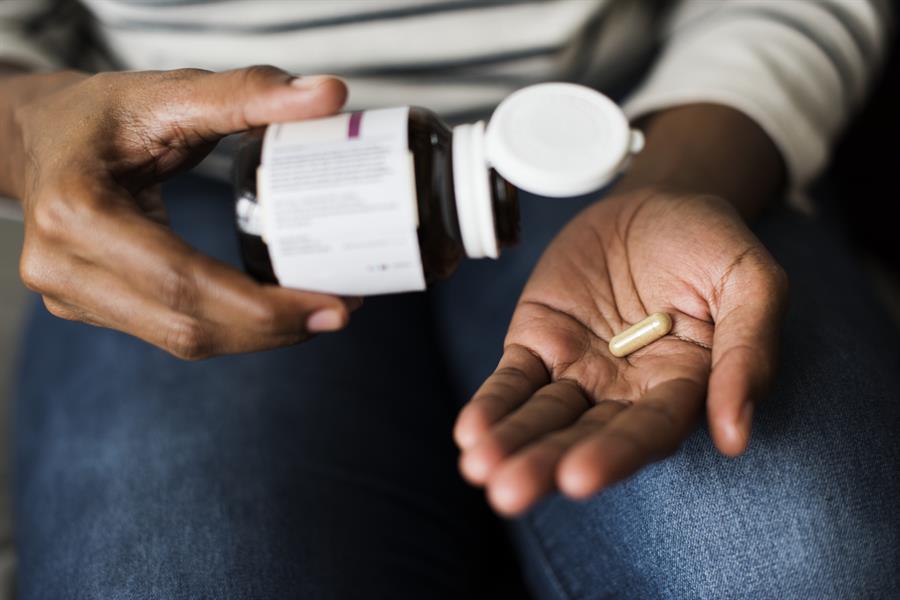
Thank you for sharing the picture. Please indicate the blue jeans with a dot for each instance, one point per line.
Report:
(327, 470)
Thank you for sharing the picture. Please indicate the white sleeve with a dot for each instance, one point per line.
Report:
(798, 68)
(20, 42)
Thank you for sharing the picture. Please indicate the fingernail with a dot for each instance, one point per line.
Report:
(325, 320)
(309, 82)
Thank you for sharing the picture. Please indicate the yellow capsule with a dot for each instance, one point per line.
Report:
(640, 334)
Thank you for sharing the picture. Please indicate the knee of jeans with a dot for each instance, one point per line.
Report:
(787, 520)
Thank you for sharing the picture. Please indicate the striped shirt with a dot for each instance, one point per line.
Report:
(797, 67)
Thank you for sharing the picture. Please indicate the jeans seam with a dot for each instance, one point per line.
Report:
(544, 557)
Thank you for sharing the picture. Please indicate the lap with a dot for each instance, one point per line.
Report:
(810, 508)
(324, 470)
(327, 469)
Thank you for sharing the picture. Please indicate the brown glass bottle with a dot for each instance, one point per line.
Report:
(441, 246)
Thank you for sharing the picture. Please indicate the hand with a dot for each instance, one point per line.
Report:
(93, 152)
(560, 412)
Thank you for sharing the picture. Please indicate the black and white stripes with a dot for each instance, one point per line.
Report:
(798, 67)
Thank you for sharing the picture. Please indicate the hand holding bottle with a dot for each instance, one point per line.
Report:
(86, 156)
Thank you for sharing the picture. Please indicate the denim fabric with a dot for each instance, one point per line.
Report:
(327, 470)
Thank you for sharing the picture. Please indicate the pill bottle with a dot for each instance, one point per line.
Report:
(390, 200)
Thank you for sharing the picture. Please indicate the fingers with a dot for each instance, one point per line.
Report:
(559, 445)
(112, 266)
(647, 431)
(105, 301)
(744, 351)
(237, 313)
(531, 473)
(519, 374)
(218, 104)
(551, 408)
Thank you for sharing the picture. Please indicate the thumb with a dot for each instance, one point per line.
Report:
(233, 101)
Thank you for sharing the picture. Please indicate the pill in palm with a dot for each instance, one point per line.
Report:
(640, 334)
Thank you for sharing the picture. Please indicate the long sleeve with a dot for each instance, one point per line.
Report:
(798, 68)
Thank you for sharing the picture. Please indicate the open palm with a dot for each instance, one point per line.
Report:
(561, 412)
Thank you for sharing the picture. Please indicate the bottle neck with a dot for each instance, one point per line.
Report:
(505, 202)
(473, 192)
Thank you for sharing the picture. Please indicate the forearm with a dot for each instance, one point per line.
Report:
(10, 140)
(708, 149)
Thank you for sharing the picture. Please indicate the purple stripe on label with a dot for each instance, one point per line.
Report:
(355, 119)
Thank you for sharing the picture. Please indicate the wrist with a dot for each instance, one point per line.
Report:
(708, 149)
(20, 88)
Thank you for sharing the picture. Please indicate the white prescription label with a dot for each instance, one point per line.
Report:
(339, 204)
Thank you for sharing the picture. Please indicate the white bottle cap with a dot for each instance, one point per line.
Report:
(472, 188)
(559, 139)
